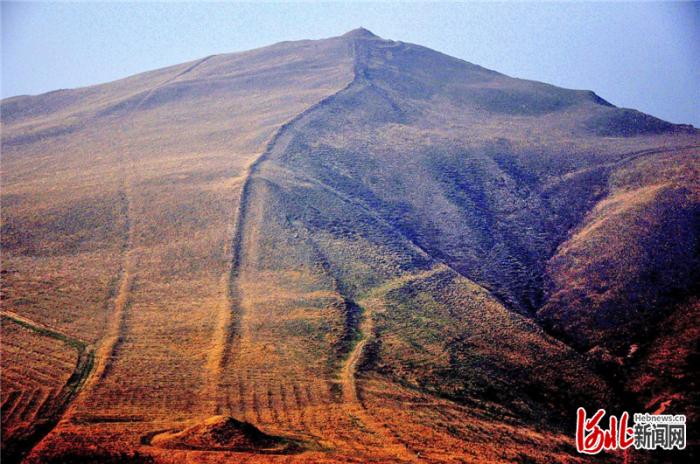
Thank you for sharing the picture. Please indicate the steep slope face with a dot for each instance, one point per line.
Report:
(623, 287)
(634, 256)
(346, 243)
(477, 165)
(338, 179)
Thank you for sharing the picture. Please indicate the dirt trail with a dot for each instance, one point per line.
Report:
(228, 330)
(114, 336)
(349, 370)
(348, 381)
(218, 352)
(115, 333)
(348, 373)
(170, 80)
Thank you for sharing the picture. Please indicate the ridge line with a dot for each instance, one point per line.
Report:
(171, 79)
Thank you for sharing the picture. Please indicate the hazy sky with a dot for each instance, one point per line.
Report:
(639, 55)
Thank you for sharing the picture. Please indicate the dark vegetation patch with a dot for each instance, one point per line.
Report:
(442, 338)
(351, 332)
(82, 224)
(517, 102)
(623, 122)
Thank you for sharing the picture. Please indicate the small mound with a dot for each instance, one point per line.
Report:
(224, 433)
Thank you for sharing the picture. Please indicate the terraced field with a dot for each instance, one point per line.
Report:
(43, 370)
(346, 250)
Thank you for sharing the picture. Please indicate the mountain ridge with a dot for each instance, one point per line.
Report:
(355, 34)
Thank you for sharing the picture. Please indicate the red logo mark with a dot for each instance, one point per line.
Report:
(591, 439)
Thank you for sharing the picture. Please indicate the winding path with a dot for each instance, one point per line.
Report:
(228, 330)
(351, 398)
(348, 373)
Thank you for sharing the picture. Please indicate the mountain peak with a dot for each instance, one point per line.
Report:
(360, 32)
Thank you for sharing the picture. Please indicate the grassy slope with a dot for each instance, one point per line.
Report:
(147, 186)
(126, 196)
(622, 288)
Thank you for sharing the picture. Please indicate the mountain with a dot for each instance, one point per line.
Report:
(342, 250)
